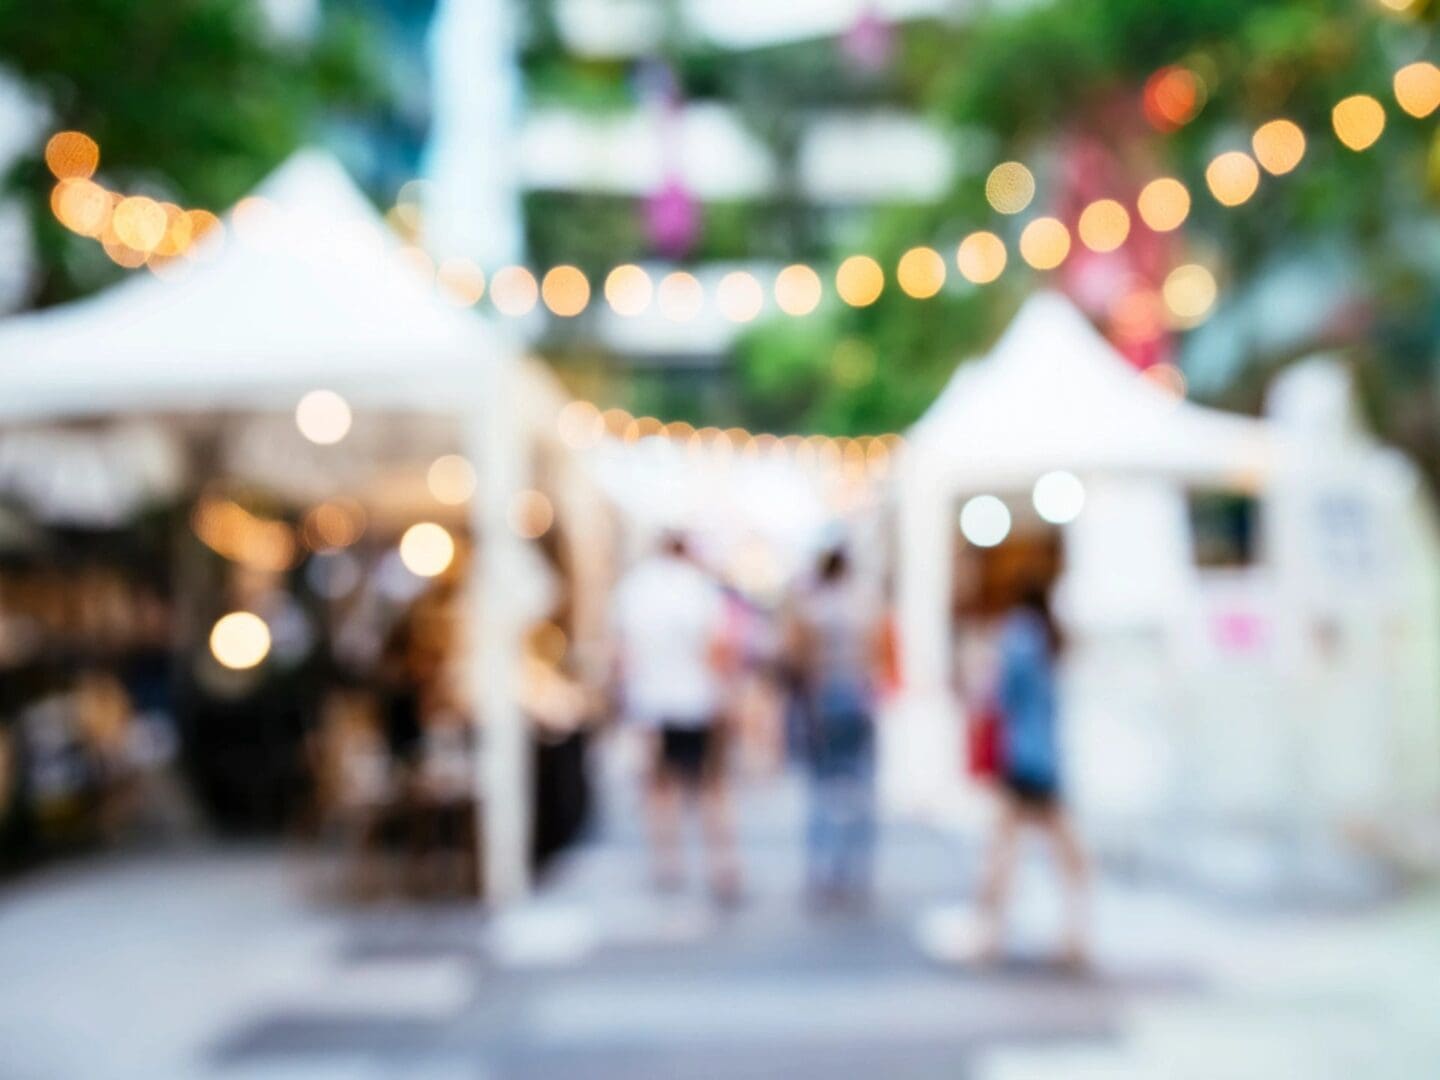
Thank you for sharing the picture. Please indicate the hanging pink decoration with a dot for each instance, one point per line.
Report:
(869, 44)
(672, 219)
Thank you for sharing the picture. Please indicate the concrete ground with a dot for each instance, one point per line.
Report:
(217, 965)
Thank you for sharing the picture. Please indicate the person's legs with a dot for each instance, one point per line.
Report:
(995, 887)
(861, 846)
(715, 819)
(663, 803)
(1074, 870)
(820, 837)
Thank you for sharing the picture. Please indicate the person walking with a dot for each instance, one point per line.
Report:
(835, 641)
(1030, 789)
(670, 622)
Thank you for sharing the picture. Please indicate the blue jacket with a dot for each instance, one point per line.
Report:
(1027, 700)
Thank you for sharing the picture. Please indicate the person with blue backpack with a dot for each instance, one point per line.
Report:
(835, 634)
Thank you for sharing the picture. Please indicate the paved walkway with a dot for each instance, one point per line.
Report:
(216, 965)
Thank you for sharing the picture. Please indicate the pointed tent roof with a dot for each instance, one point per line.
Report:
(309, 289)
(1053, 394)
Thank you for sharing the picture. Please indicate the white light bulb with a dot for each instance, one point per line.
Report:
(985, 521)
(1059, 497)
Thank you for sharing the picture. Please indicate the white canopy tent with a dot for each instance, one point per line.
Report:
(1166, 649)
(309, 290)
(1052, 394)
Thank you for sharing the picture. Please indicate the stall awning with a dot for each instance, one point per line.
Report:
(1053, 394)
(308, 289)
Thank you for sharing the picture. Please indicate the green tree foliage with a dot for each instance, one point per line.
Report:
(194, 100)
(1019, 81)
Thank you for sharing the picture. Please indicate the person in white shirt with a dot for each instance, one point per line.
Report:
(669, 619)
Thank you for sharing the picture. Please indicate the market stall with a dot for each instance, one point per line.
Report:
(307, 291)
(1176, 540)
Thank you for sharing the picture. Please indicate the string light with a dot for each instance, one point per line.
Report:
(1009, 188)
(1104, 225)
(1279, 146)
(797, 290)
(859, 281)
(1045, 243)
(461, 281)
(82, 206)
(1417, 88)
(1164, 204)
(739, 296)
(137, 230)
(566, 291)
(1189, 292)
(981, 257)
(920, 273)
(72, 155)
(681, 296)
(1233, 177)
(1359, 121)
(628, 290)
(513, 291)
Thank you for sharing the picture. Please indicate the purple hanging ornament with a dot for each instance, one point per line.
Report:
(672, 219)
(869, 44)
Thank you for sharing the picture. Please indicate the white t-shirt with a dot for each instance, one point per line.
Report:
(667, 615)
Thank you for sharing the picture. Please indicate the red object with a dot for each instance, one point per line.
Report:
(983, 743)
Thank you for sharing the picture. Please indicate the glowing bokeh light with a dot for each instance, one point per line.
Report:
(1164, 204)
(82, 206)
(739, 296)
(1058, 497)
(1045, 243)
(240, 640)
(680, 296)
(178, 232)
(1009, 188)
(1359, 121)
(797, 290)
(513, 291)
(859, 281)
(981, 257)
(461, 281)
(1279, 146)
(580, 425)
(920, 273)
(451, 479)
(1417, 88)
(1104, 225)
(985, 521)
(72, 155)
(139, 223)
(566, 291)
(323, 417)
(1232, 178)
(1189, 293)
(628, 290)
(530, 514)
(427, 549)
(1172, 97)
(207, 234)
(334, 524)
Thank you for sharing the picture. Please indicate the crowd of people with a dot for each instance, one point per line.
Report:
(679, 658)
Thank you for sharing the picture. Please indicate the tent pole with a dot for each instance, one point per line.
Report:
(502, 763)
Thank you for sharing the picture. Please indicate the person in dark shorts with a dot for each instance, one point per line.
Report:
(670, 624)
(1030, 645)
